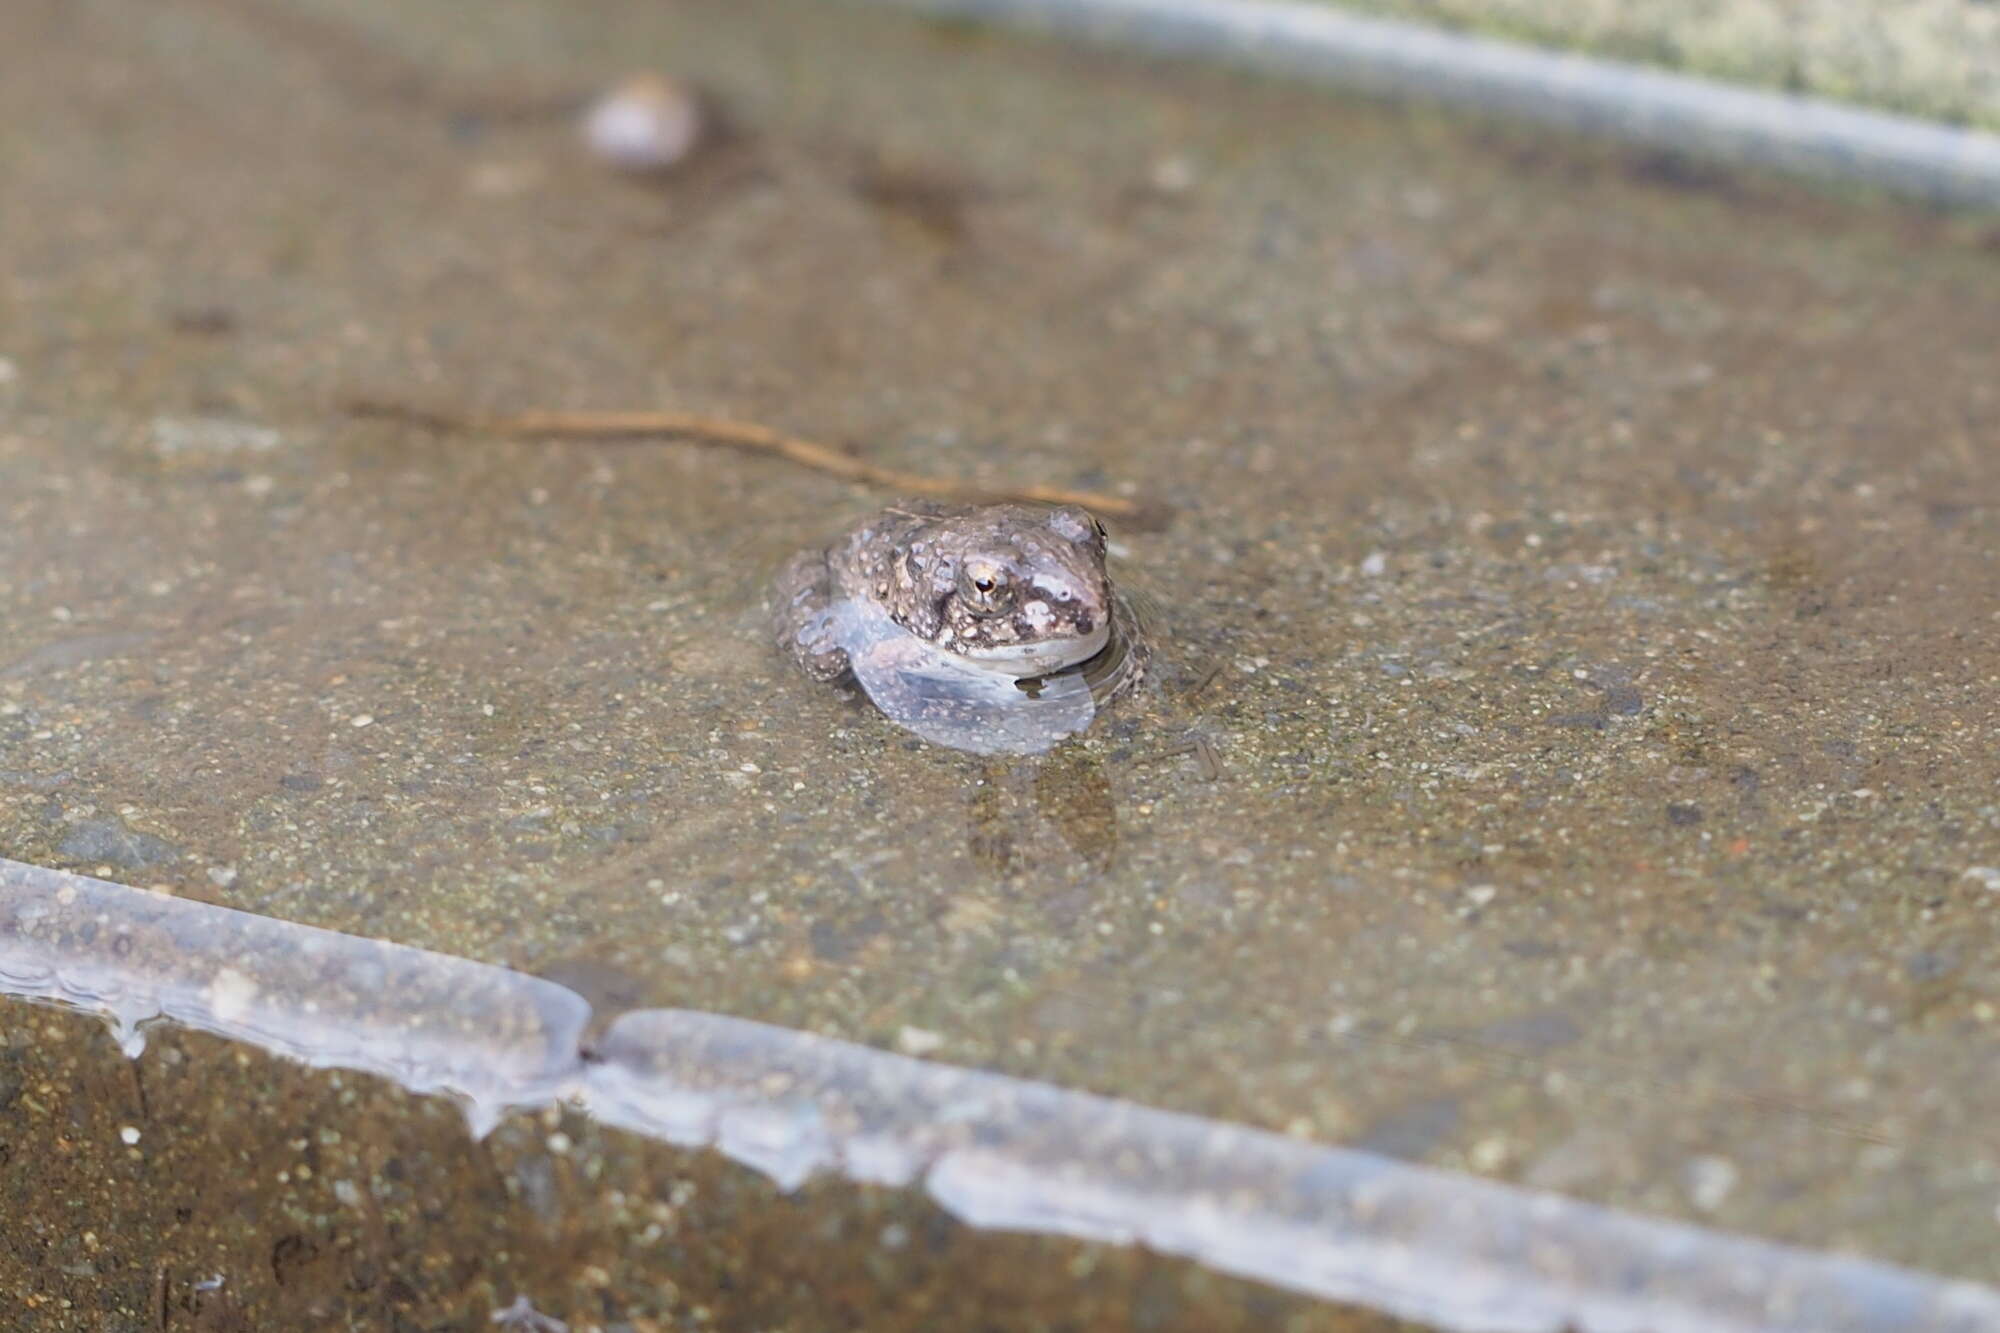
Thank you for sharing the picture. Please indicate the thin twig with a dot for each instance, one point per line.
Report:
(616, 426)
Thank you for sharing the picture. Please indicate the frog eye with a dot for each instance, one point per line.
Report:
(985, 589)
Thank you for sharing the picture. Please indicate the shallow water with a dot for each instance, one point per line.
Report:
(1571, 756)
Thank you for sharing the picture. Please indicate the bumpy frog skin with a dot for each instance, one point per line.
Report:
(939, 610)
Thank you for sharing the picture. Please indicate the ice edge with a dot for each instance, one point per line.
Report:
(994, 1151)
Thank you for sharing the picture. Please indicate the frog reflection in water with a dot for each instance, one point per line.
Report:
(992, 628)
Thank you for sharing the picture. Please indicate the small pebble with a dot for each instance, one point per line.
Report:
(1710, 1181)
(129, 1135)
(918, 1041)
(503, 180)
(645, 124)
(1173, 175)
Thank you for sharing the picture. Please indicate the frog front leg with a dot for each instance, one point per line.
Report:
(804, 619)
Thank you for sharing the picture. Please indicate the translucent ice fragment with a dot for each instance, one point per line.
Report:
(949, 701)
(1443, 1249)
(492, 1038)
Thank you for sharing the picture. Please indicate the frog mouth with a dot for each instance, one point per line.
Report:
(1022, 660)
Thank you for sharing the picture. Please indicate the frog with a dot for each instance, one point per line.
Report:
(988, 627)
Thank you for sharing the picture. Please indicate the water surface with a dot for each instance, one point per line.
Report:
(1573, 763)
